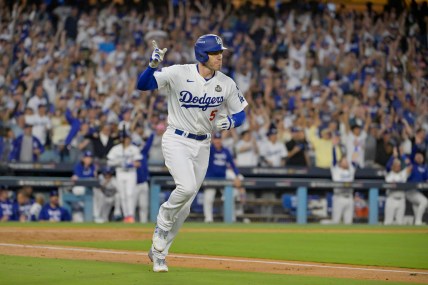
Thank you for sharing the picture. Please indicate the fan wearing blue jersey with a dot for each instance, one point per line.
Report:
(52, 211)
(21, 207)
(200, 98)
(5, 205)
(220, 161)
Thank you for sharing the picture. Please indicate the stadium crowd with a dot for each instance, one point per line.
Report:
(312, 74)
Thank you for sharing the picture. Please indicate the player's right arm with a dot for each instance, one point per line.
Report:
(146, 80)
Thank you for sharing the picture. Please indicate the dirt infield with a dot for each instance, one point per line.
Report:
(21, 241)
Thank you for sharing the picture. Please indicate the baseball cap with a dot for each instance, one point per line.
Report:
(87, 153)
(108, 170)
(296, 129)
(53, 193)
(28, 125)
(217, 135)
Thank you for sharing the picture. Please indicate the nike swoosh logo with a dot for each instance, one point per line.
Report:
(188, 80)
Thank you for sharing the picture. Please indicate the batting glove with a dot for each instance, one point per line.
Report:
(157, 55)
(225, 122)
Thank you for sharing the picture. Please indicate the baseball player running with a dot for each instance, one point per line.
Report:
(125, 157)
(199, 97)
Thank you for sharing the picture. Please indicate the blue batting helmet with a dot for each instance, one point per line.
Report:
(205, 44)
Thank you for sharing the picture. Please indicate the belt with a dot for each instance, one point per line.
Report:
(192, 136)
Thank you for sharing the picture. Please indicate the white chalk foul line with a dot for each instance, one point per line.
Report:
(87, 250)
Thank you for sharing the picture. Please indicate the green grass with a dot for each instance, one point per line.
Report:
(396, 249)
(16, 270)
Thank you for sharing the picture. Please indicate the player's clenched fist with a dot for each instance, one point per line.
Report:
(157, 55)
(225, 122)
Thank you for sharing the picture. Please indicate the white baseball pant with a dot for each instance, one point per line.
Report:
(98, 198)
(126, 184)
(117, 212)
(187, 161)
(209, 197)
(142, 198)
(395, 206)
(181, 217)
(343, 206)
(106, 205)
(419, 203)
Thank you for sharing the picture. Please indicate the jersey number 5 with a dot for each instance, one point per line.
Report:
(212, 115)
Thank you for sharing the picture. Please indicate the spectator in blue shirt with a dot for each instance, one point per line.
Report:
(419, 175)
(85, 168)
(52, 211)
(21, 207)
(219, 162)
(26, 147)
(5, 205)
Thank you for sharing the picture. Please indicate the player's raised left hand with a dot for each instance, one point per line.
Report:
(157, 55)
(225, 122)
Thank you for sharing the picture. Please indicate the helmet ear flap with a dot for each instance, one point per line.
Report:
(201, 56)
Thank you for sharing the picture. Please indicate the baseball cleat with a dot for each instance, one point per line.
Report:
(160, 239)
(159, 265)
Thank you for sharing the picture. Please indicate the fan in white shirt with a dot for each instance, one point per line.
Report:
(37, 99)
(246, 150)
(272, 152)
(41, 123)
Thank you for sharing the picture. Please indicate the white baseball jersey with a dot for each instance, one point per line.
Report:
(392, 177)
(195, 103)
(123, 158)
(339, 174)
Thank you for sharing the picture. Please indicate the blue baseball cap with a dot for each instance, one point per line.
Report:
(53, 193)
(108, 170)
(87, 153)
